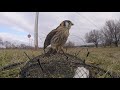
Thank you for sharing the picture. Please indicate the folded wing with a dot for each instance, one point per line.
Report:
(49, 37)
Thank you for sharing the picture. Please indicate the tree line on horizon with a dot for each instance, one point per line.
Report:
(108, 35)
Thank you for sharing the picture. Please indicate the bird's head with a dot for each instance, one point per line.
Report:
(67, 24)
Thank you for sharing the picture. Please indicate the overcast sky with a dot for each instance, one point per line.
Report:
(15, 26)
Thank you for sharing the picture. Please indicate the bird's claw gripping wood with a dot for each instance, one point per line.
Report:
(65, 54)
(53, 51)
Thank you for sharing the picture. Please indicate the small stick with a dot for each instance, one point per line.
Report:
(87, 55)
(76, 54)
(40, 65)
(37, 60)
(27, 55)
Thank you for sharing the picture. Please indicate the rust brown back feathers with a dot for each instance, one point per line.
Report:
(49, 37)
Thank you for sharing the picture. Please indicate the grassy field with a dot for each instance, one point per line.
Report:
(11, 56)
(106, 58)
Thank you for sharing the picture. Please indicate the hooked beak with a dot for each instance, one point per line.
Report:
(72, 24)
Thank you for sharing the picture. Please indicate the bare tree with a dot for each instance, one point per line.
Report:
(109, 34)
(13, 46)
(93, 37)
(7, 44)
(1, 41)
(23, 46)
(102, 39)
(113, 30)
(105, 37)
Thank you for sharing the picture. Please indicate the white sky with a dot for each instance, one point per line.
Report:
(15, 26)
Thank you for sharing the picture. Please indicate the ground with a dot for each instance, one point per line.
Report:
(106, 58)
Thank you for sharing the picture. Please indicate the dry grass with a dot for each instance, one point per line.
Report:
(10, 56)
(13, 56)
(106, 58)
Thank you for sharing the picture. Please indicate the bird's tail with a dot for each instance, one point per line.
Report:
(44, 51)
(44, 48)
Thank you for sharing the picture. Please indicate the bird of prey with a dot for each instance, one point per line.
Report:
(58, 37)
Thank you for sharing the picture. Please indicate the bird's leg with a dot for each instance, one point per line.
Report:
(61, 48)
(53, 50)
(58, 48)
(44, 51)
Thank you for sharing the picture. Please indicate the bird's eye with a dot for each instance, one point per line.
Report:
(70, 23)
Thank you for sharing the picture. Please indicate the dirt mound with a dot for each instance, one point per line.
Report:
(57, 66)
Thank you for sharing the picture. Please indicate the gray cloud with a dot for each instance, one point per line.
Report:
(24, 21)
